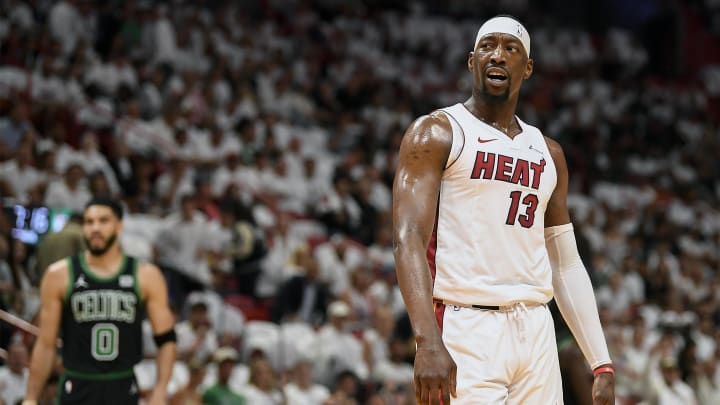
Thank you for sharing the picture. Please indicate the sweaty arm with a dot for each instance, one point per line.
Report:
(571, 284)
(53, 286)
(423, 153)
(155, 294)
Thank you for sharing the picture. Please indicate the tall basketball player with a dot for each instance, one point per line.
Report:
(96, 301)
(483, 241)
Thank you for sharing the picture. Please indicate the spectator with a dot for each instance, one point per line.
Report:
(197, 340)
(337, 349)
(667, 388)
(303, 297)
(14, 127)
(221, 393)
(13, 377)
(70, 193)
(301, 390)
(183, 246)
(69, 241)
(18, 176)
(263, 388)
(189, 394)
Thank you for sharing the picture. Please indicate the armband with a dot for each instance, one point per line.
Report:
(604, 369)
(166, 337)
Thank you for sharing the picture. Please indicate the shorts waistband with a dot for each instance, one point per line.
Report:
(100, 376)
(502, 308)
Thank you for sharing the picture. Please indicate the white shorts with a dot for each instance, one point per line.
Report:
(507, 356)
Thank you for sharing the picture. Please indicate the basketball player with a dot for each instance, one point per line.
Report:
(483, 240)
(96, 301)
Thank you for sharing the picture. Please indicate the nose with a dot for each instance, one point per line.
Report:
(498, 55)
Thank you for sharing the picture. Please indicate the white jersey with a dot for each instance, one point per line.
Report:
(488, 247)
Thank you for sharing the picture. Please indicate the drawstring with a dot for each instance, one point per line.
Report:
(520, 309)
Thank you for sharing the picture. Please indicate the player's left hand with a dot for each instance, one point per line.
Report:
(157, 397)
(603, 390)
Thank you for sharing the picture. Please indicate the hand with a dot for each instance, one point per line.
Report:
(157, 397)
(603, 391)
(435, 374)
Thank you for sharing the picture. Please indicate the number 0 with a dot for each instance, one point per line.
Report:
(105, 341)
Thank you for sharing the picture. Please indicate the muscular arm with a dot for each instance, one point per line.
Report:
(571, 284)
(154, 291)
(423, 154)
(52, 290)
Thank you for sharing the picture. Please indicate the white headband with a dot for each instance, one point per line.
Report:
(505, 25)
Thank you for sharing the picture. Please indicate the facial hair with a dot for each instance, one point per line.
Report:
(495, 99)
(99, 251)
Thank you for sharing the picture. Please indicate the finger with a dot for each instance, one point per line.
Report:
(445, 392)
(418, 391)
(435, 393)
(424, 393)
(453, 382)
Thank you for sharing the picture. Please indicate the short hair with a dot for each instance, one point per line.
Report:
(106, 201)
(198, 306)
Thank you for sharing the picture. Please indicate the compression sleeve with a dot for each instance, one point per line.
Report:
(574, 294)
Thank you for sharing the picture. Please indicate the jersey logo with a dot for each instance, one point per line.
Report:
(480, 140)
(68, 386)
(537, 150)
(125, 281)
(81, 283)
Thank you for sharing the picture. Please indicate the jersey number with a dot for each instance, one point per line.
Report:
(105, 342)
(528, 218)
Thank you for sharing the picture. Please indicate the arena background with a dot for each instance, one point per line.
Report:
(253, 144)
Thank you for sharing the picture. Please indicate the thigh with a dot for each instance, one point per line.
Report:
(77, 391)
(538, 380)
(479, 343)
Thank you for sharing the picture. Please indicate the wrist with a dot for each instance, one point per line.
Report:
(427, 340)
(29, 402)
(604, 369)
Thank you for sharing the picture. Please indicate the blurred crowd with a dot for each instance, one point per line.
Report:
(253, 144)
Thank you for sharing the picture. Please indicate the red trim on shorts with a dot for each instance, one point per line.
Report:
(439, 313)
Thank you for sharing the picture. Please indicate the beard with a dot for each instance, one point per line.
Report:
(99, 251)
(495, 99)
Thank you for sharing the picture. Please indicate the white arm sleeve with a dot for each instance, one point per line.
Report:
(574, 294)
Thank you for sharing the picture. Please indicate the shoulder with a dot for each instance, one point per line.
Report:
(56, 279)
(149, 277)
(556, 151)
(433, 127)
(149, 272)
(428, 138)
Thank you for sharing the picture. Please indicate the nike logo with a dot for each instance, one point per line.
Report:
(486, 140)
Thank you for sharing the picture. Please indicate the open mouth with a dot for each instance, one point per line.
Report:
(496, 75)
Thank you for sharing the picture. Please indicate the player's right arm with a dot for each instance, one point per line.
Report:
(423, 154)
(52, 292)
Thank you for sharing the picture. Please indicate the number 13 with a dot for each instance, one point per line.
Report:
(530, 201)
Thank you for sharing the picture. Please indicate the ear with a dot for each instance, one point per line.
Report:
(528, 69)
(471, 56)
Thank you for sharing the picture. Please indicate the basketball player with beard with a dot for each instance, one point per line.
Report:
(483, 241)
(95, 302)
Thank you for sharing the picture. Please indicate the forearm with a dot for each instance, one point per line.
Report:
(575, 296)
(40, 367)
(164, 361)
(416, 285)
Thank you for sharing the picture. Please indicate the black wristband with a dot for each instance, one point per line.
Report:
(166, 337)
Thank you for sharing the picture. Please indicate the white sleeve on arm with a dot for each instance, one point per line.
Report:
(574, 294)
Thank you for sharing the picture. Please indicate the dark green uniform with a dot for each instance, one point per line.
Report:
(101, 330)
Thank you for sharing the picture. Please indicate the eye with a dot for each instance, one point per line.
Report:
(484, 46)
(511, 48)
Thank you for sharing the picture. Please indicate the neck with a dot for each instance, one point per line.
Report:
(499, 116)
(107, 262)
